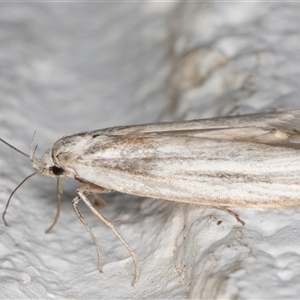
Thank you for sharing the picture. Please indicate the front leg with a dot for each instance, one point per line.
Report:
(81, 195)
(58, 204)
(74, 202)
(92, 190)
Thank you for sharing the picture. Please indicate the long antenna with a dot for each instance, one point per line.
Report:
(8, 201)
(16, 149)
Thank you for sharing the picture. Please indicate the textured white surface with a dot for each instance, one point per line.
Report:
(71, 67)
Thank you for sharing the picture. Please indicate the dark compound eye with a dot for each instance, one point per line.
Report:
(56, 170)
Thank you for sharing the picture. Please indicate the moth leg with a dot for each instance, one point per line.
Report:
(224, 208)
(95, 190)
(74, 202)
(81, 193)
(58, 204)
(98, 201)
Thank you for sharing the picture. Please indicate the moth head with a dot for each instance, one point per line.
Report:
(46, 165)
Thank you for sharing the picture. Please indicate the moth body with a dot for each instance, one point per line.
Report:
(236, 161)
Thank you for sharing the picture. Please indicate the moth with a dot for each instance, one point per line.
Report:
(249, 161)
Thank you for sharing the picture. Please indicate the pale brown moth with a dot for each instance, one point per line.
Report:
(248, 161)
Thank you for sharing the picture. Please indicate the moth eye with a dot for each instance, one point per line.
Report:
(56, 170)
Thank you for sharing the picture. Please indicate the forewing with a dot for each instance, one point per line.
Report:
(281, 128)
(194, 169)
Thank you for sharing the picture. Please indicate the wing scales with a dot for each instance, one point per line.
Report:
(195, 169)
(281, 128)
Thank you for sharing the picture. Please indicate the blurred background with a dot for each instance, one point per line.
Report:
(73, 67)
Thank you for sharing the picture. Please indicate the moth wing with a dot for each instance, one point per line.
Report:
(194, 169)
(201, 161)
(280, 128)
